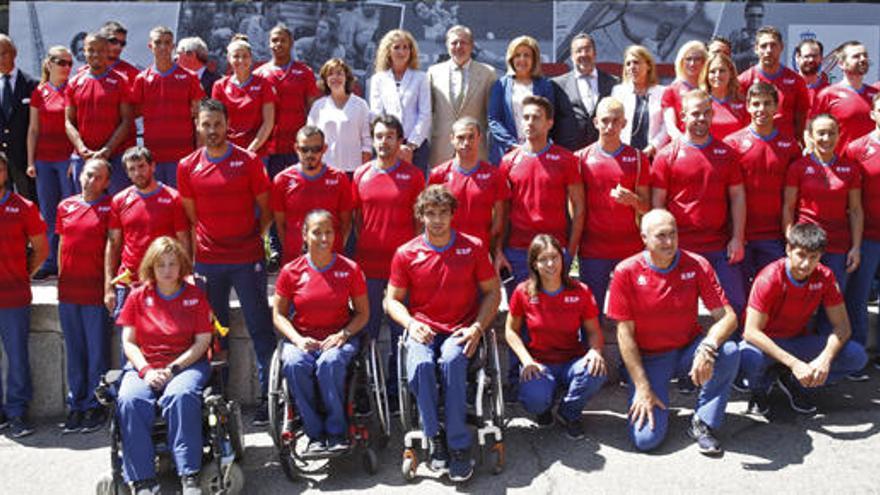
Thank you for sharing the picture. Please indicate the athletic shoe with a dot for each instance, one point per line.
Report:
(73, 423)
(741, 385)
(706, 441)
(574, 429)
(4, 421)
(797, 396)
(685, 385)
(461, 466)
(545, 419)
(43, 274)
(439, 460)
(189, 484)
(759, 404)
(93, 420)
(19, 427)
(337, 444)
(146, 487)
(858, 376)
(261, 414)
(316, 447)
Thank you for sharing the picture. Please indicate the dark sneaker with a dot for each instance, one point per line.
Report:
(574, 429)
(741, 385)
(73, 423)
(685, 385)
(877, 361)
(439, 455)
(759, 404)
(858, 376)
(316, 447)
(19, 427)
(146, 487)
(706, 441)
(44, 273)
(337, 444)
(797, 396)
(93, 420)
(4, 421)
(461, 466)
(545, 419)
(261, 414)
(189, 485)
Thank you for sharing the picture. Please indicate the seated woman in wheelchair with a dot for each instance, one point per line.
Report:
(166, 331)
(555, 309)
(312, 311)
(453, 294)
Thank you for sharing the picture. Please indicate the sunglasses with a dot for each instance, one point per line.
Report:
(62, 63)
(114, 41)
(309, 149)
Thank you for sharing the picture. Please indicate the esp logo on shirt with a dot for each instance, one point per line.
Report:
(571, 299)
(190, 302)
(688, 275)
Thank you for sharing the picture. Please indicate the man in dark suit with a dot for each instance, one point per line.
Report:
(15, 96)
(578, 92)
(192, 54)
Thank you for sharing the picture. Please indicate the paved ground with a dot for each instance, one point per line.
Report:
(837, 450)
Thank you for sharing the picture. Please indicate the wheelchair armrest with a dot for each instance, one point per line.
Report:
(105, 392)
(112, 376)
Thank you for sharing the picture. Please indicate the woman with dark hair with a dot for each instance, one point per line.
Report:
(312, 311)
(557, 312)
(343, 117)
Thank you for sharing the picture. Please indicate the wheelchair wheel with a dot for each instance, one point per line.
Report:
(379, 394)
(370, 461)
(212, 480)
(235, 429)
(107, 485)
(494, 369)
(276, 393)
(403, 396)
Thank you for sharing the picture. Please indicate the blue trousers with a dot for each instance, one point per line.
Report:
(572, 377)
(375, 294)
(15, 324)
(275, 164)
(758, 255)
(711, 401)
(53, 185)
(756, 366)
(249, 281)
(422, 362)
(181, 406)
(166, 173)
(118, 178)
(596, 273)
(730, 277)
(836, 262)
(87, 340)
(858, 289)
(320, 373)
(421, 155)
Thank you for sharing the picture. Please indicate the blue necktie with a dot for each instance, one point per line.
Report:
(7, 96)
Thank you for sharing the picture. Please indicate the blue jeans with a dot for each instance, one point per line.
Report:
(858, 289)
(836, 262)
(181, 406)
(319, 373)
(15, 324)
(730, 277)
(572, 377)
(759, 254)
(756, 366)
(118, 178)
(166, 173)
(53, 185)
(249, 281)
(375, 294)
(87, 340)
(711, 400)
(596, 273)
(422, 362)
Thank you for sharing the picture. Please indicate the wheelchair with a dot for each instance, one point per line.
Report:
(222, 434)
(366, 404)
(485, 408)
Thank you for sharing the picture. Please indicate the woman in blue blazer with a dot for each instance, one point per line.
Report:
(523, 78)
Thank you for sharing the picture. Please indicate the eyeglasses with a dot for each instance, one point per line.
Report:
(115, 41)
(62, 63)
(309, 149)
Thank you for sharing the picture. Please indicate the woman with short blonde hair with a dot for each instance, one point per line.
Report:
(641, 95)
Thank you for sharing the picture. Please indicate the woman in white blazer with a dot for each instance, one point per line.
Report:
(640, 94)
(398, 88)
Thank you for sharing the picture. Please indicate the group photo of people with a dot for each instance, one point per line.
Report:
(417, 244)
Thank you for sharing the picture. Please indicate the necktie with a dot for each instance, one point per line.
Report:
(588, 97)
(6, 104)
(457, 85)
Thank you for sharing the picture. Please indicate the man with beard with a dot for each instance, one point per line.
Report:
(849, 101)
(794, 100)
(808, 56)
(225, 194)
(307, 186)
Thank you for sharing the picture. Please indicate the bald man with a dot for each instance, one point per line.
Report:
(654, 297)
(16, 87)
